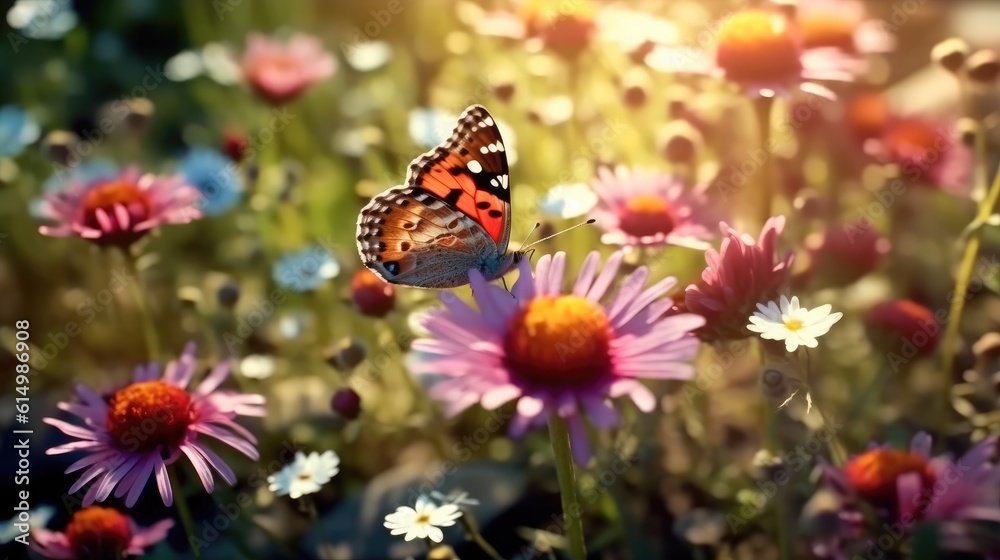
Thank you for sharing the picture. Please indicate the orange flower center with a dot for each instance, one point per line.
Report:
(108, 197)
(647, 215)
(829, 30)
(565, 27)
(758, 47)
(559, 342)
(913, 140)
(868, 115)
(873, 475)
(97, 533)
(149, 414)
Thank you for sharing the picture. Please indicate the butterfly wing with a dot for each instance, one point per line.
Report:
(469, 172)
(408, 236)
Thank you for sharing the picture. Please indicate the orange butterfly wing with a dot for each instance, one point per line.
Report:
(469, 172)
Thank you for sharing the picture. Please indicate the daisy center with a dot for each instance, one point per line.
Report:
(107, 198)
(757, 46)
(829, 30)
(793, 324)
(874, 474)
(97, 533)
(149, 414)
(559, 342)
(647, 215)
(423, 518)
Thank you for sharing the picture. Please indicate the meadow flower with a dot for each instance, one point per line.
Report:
(927, 151)
(910, 485)
(761, 51)
(565, 28)
(98, 533)
(555, 352)
(567, 200)
(42, 19)
(901, 322)
(649, 208)
(842, 24)
(118, 210)
(257, 366)
(137, 431)
(795, 325)
(215, 177)
(371, 295)
(235, 144)
(742, 273)
(423, 521)
(17, 131)
(305, 475)
(346, 402)
(867, 115)
(841, 255)
(305, 270)
(368, 55)
(281, 71)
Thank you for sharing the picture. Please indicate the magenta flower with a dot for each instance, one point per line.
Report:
(762, 51)
(910, 486)
(135, 432)
(97, 533)
(121, 209)
(636, 208)
(556, 352)
(927, 151)
(280, 72)
(741, 274)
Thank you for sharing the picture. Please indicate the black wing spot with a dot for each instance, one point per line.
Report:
(381, 246)
(453, 196)
(452, 224)
(409, 225)
(404, 202)
(392, 267)
(456, 171)
(482, 205)
(386, 210)
(495, 213)
(404, 246)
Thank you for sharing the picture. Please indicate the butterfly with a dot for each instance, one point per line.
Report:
(451, 216)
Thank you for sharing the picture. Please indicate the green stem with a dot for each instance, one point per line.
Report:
(477, 537)
(145, 313)
(182, 509)
(837, 452)
(572, 513)
(763, 107)
(973, 242)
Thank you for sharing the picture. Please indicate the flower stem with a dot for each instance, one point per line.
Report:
(477, 537)
(185, 513)
(968, 263)
(763, 107)
(572, 513)
(145, 313)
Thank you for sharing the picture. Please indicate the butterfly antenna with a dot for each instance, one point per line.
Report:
(527, 237)
(571, 228)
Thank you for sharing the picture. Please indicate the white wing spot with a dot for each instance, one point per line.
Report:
(494, 182)
(484, 149)
(475, 167)
(488, 121)
(499, 146)
(503, 181)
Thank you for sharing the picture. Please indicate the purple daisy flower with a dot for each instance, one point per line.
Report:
(911, 486)
(556, 352)
(636, 208)
(135, 432)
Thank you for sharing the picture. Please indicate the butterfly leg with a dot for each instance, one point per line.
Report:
(504, 280)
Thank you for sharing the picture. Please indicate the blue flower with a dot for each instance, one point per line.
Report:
(215, 177)
(17, 130)
(428, 127)
(305, 270)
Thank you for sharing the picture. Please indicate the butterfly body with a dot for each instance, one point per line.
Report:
(451, 216)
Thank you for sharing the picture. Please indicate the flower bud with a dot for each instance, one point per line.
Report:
(347, 403)
(983, 67)
(228, 294)
(140, 110)
(235, 144)
(504, 92)
(950, 54)
(844, 254)
(346, 355)
(905, 327)
(372, 295)
(59, 145)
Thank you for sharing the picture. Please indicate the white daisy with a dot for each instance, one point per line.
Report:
(568, 200)
(305, 475)
(797, 326)
(423, 520)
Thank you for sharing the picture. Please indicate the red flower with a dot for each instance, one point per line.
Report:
(741, 274)
(907, 320)
(372, 295)
(842, 255)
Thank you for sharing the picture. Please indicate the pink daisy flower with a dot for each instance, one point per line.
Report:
(135, 432)
(556, 352)
(119, 210)
(280, 72)
(762, 51)
(97, 533)
(636, 208)
(910, 486)
(741, 274)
